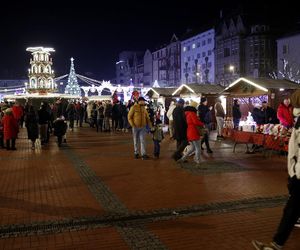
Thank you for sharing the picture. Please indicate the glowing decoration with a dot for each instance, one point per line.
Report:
(40, 73)
(155, 84)
(72, 87)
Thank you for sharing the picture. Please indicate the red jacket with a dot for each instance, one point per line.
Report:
(17, 111)
(285, 115)
(10, 127)
(192, 123)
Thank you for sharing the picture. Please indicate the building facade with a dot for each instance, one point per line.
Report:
(167, 64)
(198, 58)
(127, 67)
(243, 49)
(288, 57)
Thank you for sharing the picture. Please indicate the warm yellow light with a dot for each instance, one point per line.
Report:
(180, 88)
(247, 81)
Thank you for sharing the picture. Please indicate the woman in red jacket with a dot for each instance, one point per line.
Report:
(193, 134)
(285, 113)
(10, 129)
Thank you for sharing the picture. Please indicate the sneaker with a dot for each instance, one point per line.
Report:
(136, 156)
(261, 246)
(145, 157)
(298, 223)
(209, 151)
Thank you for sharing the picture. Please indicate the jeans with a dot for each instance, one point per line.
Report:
(156, 147)
(171, 129)
(43, 132)
(195, 146)
(291, 213)
(220, 124)
(139, 138)
(236, 122)
(181, 144)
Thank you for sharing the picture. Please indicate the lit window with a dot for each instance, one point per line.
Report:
(184, 49)
(194, 46)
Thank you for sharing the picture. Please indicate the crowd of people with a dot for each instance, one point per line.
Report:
(189, 123)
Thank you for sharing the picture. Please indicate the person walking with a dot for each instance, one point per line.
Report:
(10, 129)
(193, 134)
(44, 118)
(138, 118)
(236, 113)
(205, 116)
(170, 117)
(71, 113)
(180, 129)
(291, 212)
(31, 124)
(220, 114)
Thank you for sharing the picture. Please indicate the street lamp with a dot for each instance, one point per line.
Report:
(231, 69)
(196, 69)
(186, 72)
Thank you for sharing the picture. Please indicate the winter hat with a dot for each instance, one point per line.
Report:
(203, 99)
(181, 101)
(193, 104)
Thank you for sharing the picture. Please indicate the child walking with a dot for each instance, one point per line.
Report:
(157, 137)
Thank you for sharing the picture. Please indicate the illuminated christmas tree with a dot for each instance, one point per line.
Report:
(72, 87)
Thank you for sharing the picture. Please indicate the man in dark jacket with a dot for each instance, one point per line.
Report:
(180, 129)
(269, 114)
(204, 116)
(236, 113)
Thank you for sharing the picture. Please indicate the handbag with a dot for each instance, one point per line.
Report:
(202, 130)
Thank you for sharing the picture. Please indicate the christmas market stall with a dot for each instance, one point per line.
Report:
(251, 93)
(194, 92)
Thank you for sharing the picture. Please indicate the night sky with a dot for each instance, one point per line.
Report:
(94, 35)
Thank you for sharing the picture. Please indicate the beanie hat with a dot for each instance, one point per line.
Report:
(194, 104)
(180, 101)
(203, 99)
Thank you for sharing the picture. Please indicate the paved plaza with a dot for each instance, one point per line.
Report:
(92, 194)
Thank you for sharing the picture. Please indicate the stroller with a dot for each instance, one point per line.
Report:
(60, 129)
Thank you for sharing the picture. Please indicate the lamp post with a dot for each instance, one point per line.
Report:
(186, 72)
(196, 70)
(231, 69)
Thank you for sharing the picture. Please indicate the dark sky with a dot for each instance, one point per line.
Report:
(94, 32)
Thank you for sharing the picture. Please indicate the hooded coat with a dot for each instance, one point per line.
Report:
(10, 126)
(285, 115)
(192, 123)
(294, 150)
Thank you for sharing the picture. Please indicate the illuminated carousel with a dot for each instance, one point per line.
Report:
(41, 85)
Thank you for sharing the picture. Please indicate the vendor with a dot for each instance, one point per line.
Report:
(285, 113)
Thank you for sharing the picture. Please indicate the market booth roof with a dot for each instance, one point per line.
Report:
(198, 89)
(157, 92)
(245, 87)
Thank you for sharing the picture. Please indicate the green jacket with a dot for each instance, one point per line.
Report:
(138, 116)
